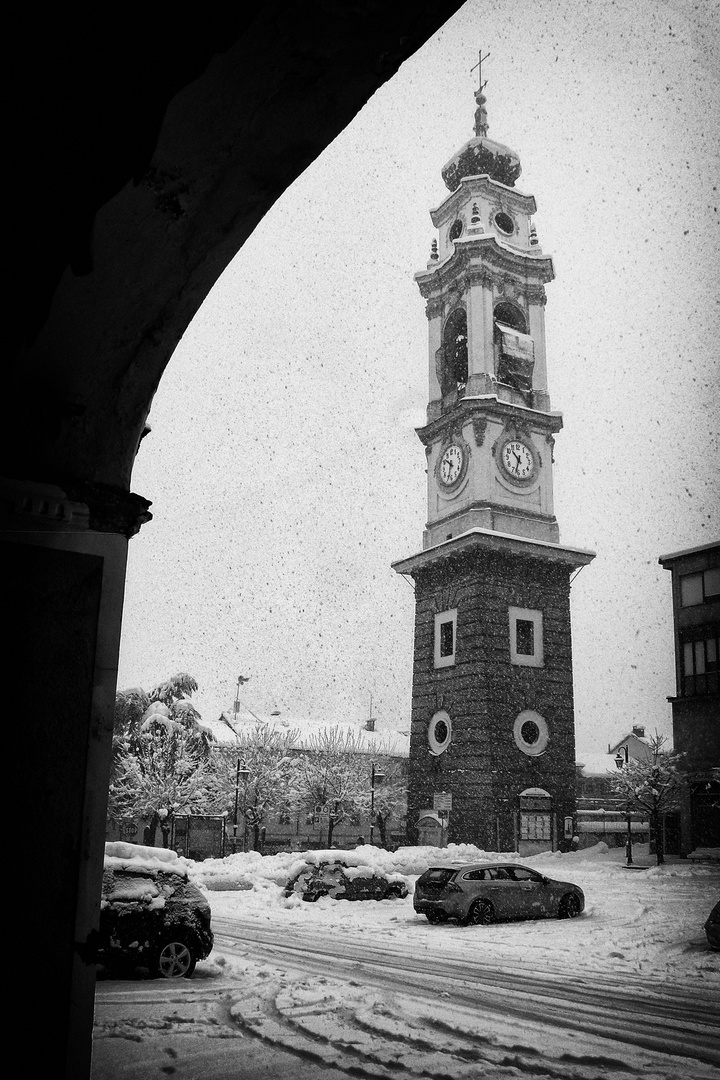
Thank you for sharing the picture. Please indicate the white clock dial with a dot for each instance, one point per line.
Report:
(451, 464)
(517, 460)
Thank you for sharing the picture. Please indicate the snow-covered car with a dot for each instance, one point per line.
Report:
(151, 915)
(345, 882)
(483, 892)
(712, 927)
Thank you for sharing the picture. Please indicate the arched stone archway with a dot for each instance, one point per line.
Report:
(143, 150)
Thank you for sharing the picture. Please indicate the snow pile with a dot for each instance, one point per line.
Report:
(122, 856)
(648, 921)
(245, 871)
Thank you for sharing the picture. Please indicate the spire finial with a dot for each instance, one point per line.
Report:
(481, 124)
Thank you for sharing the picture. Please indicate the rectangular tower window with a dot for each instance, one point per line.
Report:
(526, 637)
(445, 638)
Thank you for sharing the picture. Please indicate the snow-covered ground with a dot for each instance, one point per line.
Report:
(648, 921)
(336, 988)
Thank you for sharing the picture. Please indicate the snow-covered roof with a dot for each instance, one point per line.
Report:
(596, 764)
(626, 739)
(381, 741)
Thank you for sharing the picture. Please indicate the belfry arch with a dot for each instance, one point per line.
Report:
(510, 314)
(143, 152)
(454, 370)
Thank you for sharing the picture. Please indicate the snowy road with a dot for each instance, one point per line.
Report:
(463, 1011)
(323, 991)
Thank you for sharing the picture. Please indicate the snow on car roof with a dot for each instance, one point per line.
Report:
(122, 856)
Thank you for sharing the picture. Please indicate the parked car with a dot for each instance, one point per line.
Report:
(712, 927)
(151, 915)
(483, 892)
(345, 882)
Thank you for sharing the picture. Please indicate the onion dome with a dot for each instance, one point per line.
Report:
(482, 155)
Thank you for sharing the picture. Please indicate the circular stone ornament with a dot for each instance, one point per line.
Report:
(439, 732)
(531, 733)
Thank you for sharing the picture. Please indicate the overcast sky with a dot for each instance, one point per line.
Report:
(283, 465)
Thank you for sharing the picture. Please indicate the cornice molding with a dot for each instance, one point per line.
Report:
(480, 185)
(78, 506)
(483, 262)
(477, 410)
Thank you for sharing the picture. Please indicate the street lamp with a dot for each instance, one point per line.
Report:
(375, 775)
(243, 772)
(620, 762)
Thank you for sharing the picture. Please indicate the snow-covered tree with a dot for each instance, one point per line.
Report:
(161, 756)
(271, 784)
(335, 776)
(329, 779)
(653, 785)
(390, 793)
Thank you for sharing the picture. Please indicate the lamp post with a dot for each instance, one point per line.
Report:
(243, 772)
(620, 761)
(628, 843)
(375, 776)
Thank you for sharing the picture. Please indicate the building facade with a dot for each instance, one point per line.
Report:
(696, 702)
(492, 747)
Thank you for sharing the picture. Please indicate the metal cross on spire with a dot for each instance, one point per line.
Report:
(481, 58)
(481, 124)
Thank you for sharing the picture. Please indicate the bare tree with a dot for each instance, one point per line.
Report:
(267, 754)
(335, 770)
(329, 777)
(390, 794)
(653, 786)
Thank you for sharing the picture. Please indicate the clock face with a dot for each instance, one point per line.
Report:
(517, 460)
(451, 464)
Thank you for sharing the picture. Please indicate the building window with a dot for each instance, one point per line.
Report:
(526, 637)
(445, 638)
(697, 588)
(700, 665)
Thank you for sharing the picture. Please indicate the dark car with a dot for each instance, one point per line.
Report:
(484, 892)
(712, 927)
(151, 915)
(345, 882)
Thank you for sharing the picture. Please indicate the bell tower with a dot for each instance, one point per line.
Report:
(492, 751)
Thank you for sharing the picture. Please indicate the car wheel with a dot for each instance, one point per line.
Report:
(173, 960)
(436, 916)
(481, 913)
(569, 907)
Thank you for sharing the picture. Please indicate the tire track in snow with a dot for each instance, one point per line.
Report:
(585, 1024)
